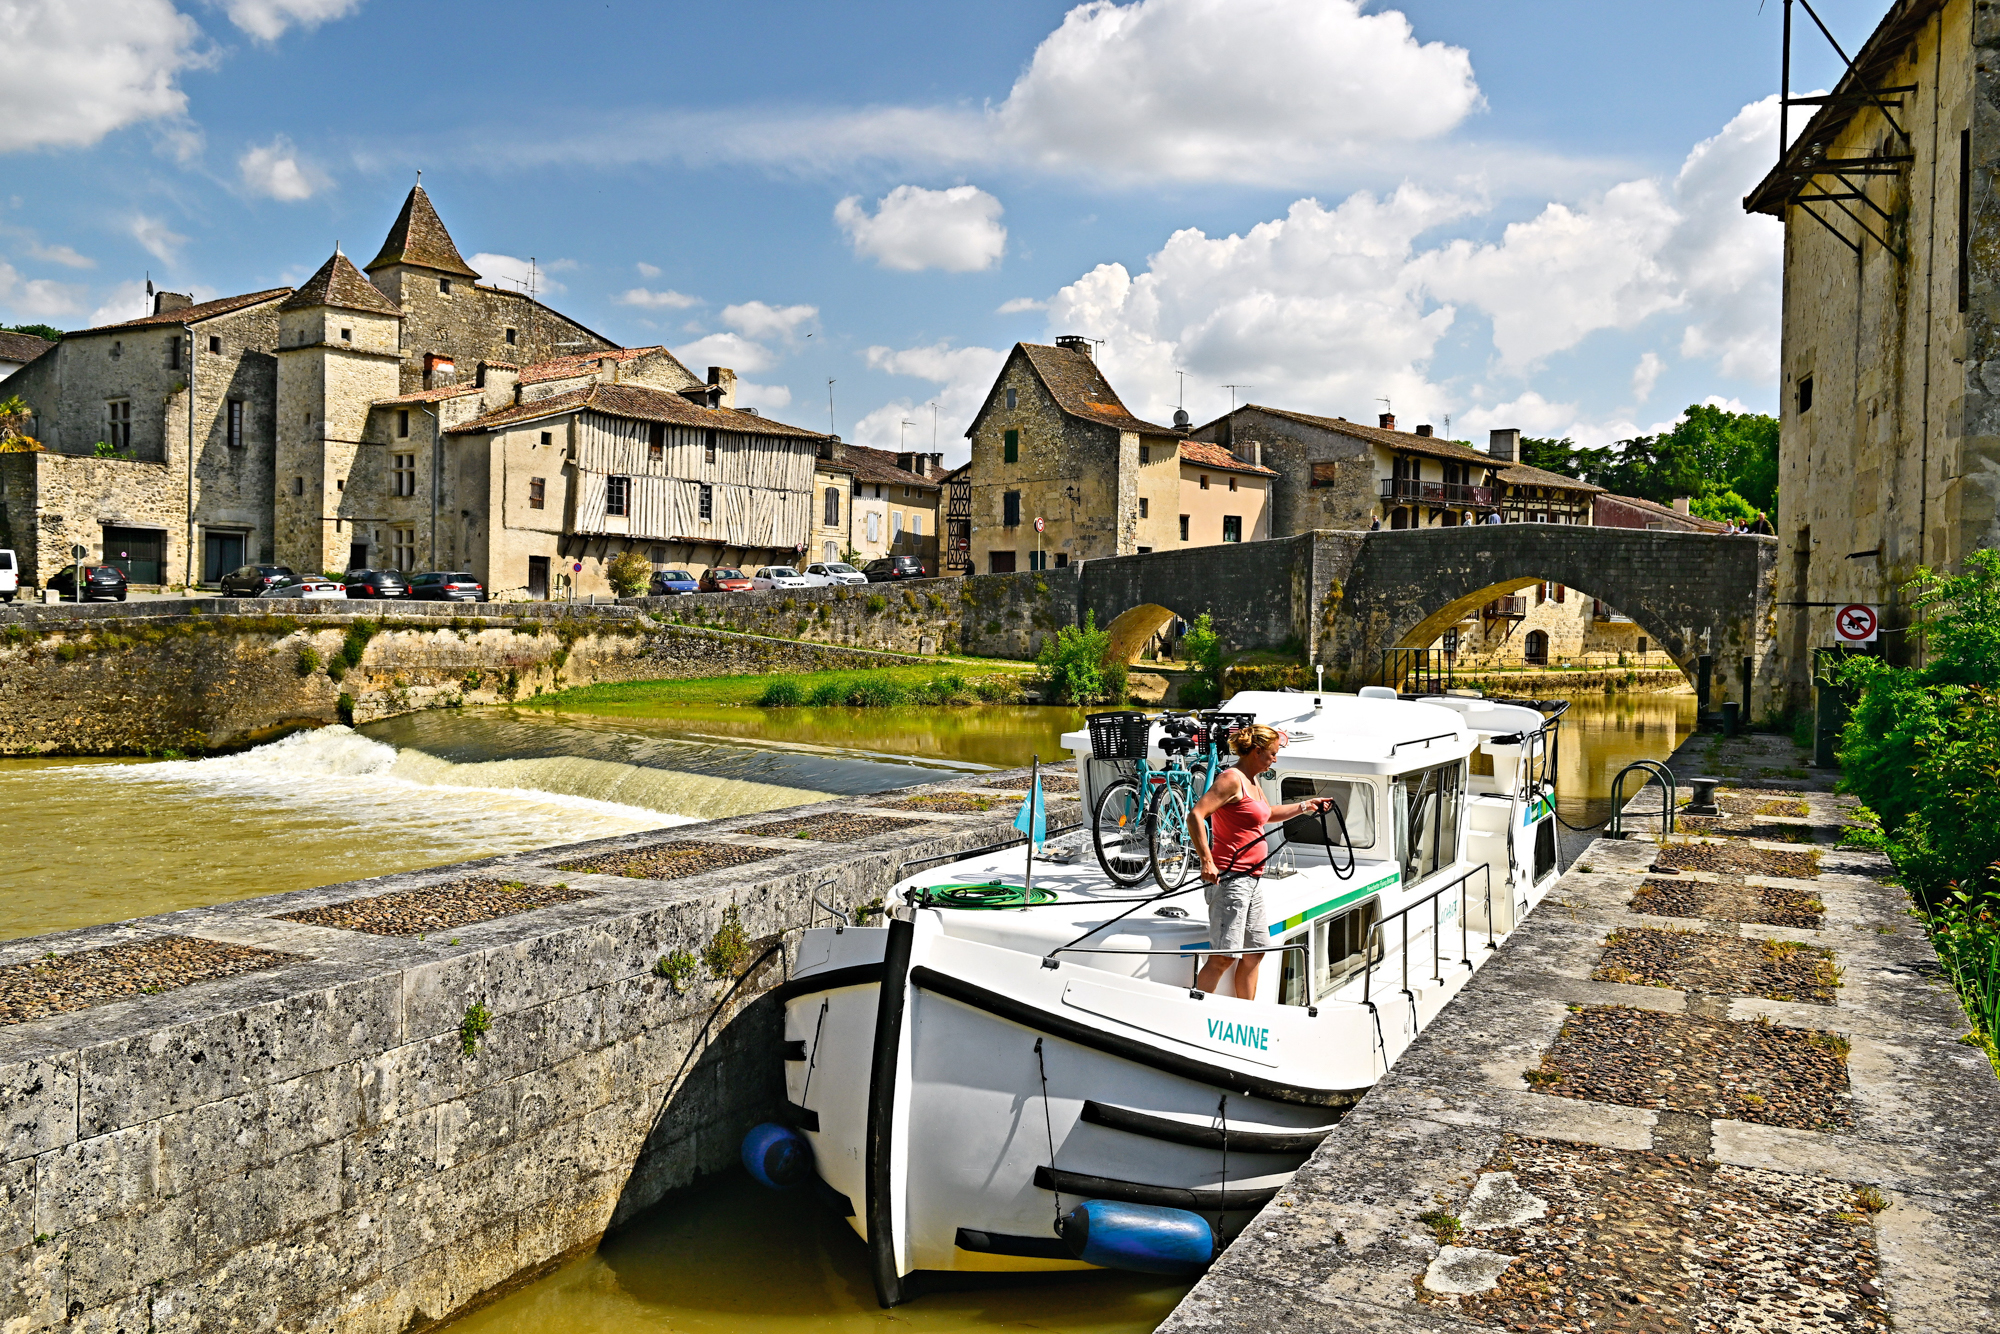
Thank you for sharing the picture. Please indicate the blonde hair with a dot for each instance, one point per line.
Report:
(1254, 737)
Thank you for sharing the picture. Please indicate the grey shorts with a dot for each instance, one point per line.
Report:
(1236, 913)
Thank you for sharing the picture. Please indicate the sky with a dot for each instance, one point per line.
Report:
(1502, 215)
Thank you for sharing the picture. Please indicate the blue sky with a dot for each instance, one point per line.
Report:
(1520, 214)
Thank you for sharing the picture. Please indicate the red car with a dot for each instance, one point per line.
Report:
(721, 579)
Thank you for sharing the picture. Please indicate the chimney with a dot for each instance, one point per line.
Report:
(1504, 444)
(1387, 421)
(1072, 343)
(1680, 505)
(438, 370)
(1257, 452)
(499, 380)
(724, 378)
(166, 301)
(1424, 430)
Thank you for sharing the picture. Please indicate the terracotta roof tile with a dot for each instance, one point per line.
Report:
(201, 310)
(1204, 455)
(437, 395)
(1694, 521)
(1080, 389)
(879, 465)
(340, 285)
(418, 238)
(1522, 474)
(639, 403)
(1516, 474)
(22, 347)
(583, 363)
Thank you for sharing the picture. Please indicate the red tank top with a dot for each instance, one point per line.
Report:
(1236, 832)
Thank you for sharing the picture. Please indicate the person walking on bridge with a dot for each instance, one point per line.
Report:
(1236, 916)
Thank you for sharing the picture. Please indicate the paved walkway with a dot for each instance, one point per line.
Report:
(1723, 1094)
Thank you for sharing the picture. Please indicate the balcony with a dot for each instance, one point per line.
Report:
(1604, 612)
(1507, 609)
(1416, 490)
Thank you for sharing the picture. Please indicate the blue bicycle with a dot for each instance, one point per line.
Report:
(1140, 823)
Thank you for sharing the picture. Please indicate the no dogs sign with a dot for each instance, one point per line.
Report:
(1856, 623)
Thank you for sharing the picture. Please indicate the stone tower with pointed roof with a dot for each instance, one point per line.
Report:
(339, 350)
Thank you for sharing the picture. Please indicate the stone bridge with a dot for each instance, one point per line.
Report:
(1347, 598)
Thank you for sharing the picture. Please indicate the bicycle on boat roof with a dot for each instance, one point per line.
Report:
(1140, 823)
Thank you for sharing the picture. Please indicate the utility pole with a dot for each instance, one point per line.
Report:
(829, 408)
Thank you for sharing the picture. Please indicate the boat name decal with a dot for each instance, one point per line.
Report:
(1279, 928)
(1243, 1035)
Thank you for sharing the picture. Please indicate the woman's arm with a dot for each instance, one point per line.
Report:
(1226, 788)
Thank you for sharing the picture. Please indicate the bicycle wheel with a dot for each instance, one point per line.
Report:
(1169, 851)
(1118, 830)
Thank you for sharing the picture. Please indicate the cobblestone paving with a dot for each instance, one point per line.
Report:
(1722, 965)
(61, 982)
(1050, 783)
(667, 861)
(1745, 1070)
(1661, 1243)
(1731, 857)
(954, 803)
(830, 828)
(418, 912)
(1729, 899)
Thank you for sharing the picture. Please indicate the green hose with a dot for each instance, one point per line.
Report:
(991, 894)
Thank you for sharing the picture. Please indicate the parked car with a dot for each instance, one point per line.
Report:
(891, 568)
(376, 584)
(99, 581)
(247, 581)
(447, 586)
(672, 583)
(779, 576)
(311, 586)
(722, 579)
(836, 572)
(10, 576)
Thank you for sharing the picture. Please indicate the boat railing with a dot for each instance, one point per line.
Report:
(1376, 955)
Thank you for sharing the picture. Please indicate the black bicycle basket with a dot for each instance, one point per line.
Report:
(1119, 736)
(1222, 726)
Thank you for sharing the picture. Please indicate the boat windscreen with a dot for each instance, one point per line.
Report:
(1357, 809)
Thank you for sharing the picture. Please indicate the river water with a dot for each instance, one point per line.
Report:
(98, 841)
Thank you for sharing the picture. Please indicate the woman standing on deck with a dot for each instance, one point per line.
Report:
(1236, 886)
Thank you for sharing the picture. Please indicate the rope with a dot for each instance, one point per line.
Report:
(776, 947)
(1048, 1125)
(1222, 1193)
(812, 1059)
(989, 894)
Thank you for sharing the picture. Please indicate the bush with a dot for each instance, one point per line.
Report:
(630, 574)
(877, 603)
(308, 662)
(1073, 668)
(784, 692)
(1201, 646)
(877, 692)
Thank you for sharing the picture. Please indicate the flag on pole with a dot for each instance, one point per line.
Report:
(1032, 821)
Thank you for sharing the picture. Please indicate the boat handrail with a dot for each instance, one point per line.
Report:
(991, 847)
(1192, 953)
(1374, 950)
(1424, 741)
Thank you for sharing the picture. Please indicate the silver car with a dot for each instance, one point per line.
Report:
(835, 572)
(779, 576)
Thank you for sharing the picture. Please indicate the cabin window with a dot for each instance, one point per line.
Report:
(1356, 801)
(1292, 972)
(616, 495)
(1340, 946)
(1428, 807)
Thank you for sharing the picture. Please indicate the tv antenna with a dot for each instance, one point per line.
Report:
(829, 407)
(932, 405)
(1387, 406)
(902, 429)
(1232, 388)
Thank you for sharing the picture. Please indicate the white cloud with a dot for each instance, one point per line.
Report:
(1645, 375)
(35, 299)
(726, 349)
(75, 72)
(160, 242)
(128, 301)
(63, 255)
(669, 300)
(508, 271)
(963, 375)
(957, 230)
(755, 319)
(275, 170)
(1020, 304)
(647, 270)
(766, 398)
(1261, 90)
(268, 19)
(1731, 262)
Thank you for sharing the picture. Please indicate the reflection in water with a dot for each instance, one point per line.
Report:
(1601, 734)
(733, 1258)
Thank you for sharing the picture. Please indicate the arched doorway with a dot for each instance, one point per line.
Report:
(1535, 648)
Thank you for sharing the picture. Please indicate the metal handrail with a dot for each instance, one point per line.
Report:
(1669, 789)
(1465, 940)
(1173, 954)
(1425, 741)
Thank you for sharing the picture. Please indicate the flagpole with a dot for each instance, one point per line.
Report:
(1034, 790)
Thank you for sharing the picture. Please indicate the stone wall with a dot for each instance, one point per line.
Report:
(131, 681)
(326, 1144)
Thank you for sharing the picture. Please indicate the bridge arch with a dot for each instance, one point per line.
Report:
(1427, 631)
(1132, 629)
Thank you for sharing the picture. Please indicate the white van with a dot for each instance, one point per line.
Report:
(10, 575)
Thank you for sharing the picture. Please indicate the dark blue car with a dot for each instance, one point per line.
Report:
(671, 583)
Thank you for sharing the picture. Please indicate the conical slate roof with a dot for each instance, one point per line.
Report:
(419, 239)
(338, 283)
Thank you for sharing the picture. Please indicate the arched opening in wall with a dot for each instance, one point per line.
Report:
(1535, 650)
(1139, 628)
(1501, 625)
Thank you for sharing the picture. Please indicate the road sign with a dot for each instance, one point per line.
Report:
(1856, 623)
(78, 552)
(578, 567)
(1040, 525)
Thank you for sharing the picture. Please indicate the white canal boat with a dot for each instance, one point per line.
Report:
(997, 1089)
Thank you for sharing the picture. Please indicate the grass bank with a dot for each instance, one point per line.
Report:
(989, 682)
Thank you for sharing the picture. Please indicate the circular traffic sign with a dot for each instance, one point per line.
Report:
(1040, 525)
(577, 568)
(1856, 623)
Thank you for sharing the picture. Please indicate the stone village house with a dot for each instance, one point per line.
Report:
(407, 416)
(1054, 442)
(894, 505)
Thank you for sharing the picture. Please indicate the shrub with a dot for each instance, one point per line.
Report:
(630, 574)
(1073, 668)
(356, 642)
(784, 692)
(677, 968)
(877, 603)
(308, 662)
(997, 689)
(877, 692)
(729, 948)
(1202, 647)
(828, 694)
(478, 1021)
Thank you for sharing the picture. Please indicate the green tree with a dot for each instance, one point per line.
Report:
(1075, 668)
(44, 331)
(1202, 646)
(1725, 462)
(630, 574)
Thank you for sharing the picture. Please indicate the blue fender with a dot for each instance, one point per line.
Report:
(777, 1156)
(1148, 1238)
